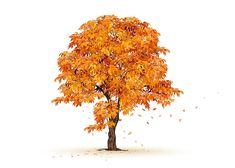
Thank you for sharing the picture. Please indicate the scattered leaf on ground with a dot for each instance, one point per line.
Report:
(139, 115)
(170, 115)
(160, 115)
(152, 117)
(196, 107)
(180, 120)
(130, 133)
(147, 122)
(183, 110)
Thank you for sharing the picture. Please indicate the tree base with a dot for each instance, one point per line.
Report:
(106, 149)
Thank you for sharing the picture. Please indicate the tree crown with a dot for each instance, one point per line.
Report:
(117, 59)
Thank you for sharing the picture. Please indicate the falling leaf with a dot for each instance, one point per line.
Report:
(147, 122)
(154, 108)
(139, 115)
(183, 110)
(196, 107)
(170, 115)
(160, 115)
(180, 120)
(130, 133)
(152, 117)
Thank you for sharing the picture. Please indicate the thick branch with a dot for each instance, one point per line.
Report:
(116, 119)
(105, 93)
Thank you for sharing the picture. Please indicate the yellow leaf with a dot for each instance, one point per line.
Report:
(105, 51)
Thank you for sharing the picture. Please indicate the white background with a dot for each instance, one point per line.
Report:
(35, 133)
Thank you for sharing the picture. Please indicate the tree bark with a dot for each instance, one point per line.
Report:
(112, 139)
(112, 134)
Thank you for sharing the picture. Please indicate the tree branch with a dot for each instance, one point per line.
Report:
(105, 93)
(116, 119)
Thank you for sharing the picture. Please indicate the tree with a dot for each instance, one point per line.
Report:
(116, 63)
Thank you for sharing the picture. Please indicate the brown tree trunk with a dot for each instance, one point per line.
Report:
(112, 135)
(112, 139)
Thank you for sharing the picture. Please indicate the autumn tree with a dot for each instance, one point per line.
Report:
(114, 62)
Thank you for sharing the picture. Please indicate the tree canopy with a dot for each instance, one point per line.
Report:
(118, 59)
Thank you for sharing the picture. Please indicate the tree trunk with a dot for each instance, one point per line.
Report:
(112, 135)
(112, 139)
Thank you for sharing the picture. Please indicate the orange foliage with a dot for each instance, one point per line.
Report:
(117, 59)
